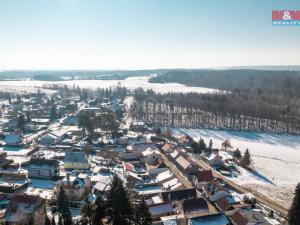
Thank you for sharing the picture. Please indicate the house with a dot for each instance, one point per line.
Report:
(25, 209)
(164, 177)
(173, 184)
(160, 209)
(43, 168)
(71, 120)
(49, 139)
(214, 219)
(214, 191)
(40, 121)
(138, 126)
(202, 177)
(13, 139)
(142, 146)
(223, 205)
(248, 217)
(12, 124)
(76, 160)
(195, 206)
(53, 137)
(150, 156)
(185, 166)
(74, 186)
(156, 169)
(13, 183)
(167, 148)
(178, 195)
(214, 159)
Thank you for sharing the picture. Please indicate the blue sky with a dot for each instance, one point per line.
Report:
(140, 34)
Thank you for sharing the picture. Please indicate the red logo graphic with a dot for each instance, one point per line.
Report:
(286, 15)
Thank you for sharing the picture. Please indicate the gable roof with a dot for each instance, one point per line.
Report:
(160, 208)
(75, 157)
(49, 162)
(183, 162)
(194, 205)
(223, 205)
(214, 219)
(238, 218)
(179, 195)
(204, 176)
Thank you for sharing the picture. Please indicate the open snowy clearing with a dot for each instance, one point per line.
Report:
(276, 159)
(130, 83)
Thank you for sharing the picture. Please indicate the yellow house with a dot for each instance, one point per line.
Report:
(76, 160)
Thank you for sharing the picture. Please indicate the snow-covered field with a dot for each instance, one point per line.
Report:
(130, 83)
(276, 159)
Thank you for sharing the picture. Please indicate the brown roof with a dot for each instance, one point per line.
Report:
(166, 147)
(223, 205)
(49, 162)
(204, 176)
(238, 219)
(194, 205)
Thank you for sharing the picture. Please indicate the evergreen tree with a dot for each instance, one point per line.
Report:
(62, 203)
(195, 147)
(237, 154)
(21, 122)
(246, 160)
(294, 212)
(142, 214)
(28, 118)
(99, 211)
(119, 210)
(53, 221)
(85, 121)
(68, 221)
(202, 144)
(210, 144)
(47, 220)
(87, 211)
(60, 221)
(53, 113)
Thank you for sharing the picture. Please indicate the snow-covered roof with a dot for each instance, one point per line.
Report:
(163, 176)
(75, 157)
(170, 183)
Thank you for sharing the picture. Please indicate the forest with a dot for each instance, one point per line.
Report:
(287, 82)
(252, 110)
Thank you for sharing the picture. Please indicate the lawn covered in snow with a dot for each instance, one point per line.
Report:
(130, 83)
(276, 158)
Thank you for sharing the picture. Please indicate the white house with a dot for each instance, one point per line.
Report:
(201, 178)
(53, 137)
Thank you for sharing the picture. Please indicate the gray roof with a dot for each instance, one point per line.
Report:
(75, 157)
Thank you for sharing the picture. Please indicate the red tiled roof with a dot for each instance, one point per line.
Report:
(128, 166)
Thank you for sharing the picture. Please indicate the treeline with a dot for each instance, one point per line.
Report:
(47, 77)
(236, 110)
(287, 82)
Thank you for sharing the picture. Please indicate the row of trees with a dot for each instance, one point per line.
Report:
(224, 111)
(116, 207)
